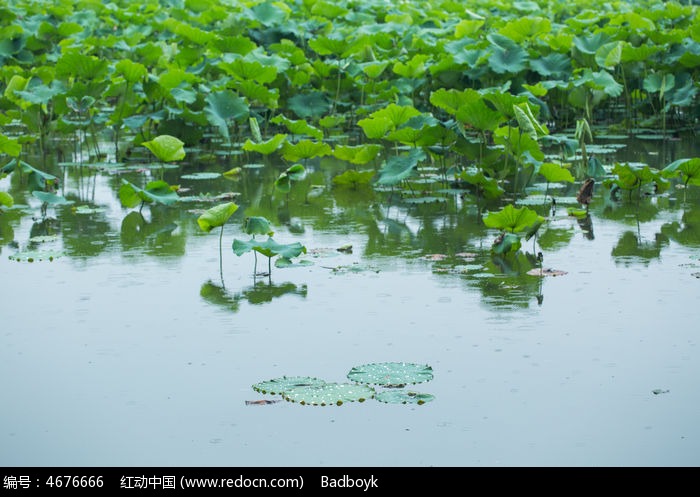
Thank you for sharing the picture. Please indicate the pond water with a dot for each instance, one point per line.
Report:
(130, 348)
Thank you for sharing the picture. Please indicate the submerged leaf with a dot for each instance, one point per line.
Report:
(402, 397)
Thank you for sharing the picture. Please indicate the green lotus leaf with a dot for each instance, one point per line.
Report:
(159, 192)
(314, 104)
(452, 100)
(244, 69)
(554, 173)
(489, 187)
(591, 43)
(268, 13)
(512, 219)
(201, 175)
(283, 183)
(329, 394)
(41, 94)
(216, 216)
(278, 386)
(9, 146)
(526, 28)
(51, 198)
(268, 248)
(398, 168)
(478, 115)
(86, 67)
(358, 154)
(224, 106)
(265, 147)
(659, 83)
(609, 55)
(689, 168)
(391, 373)
(299, 127)
(6, 199)
(324, 45)
(554, 64)
(507, 60)
(402, 397)
(304, 149)
(166, 148)
(353, 178)
(257, 225)
(527, 121)
(133, 72)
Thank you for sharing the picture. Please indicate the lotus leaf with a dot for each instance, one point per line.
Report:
(329, 393)
(391, 373)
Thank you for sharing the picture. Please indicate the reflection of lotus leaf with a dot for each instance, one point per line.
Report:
(391, 373)
(329, 393)
(402, 397)
(286, 383)
(201, 176)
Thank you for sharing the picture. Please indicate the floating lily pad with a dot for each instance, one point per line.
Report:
(201, 176)
(84, 209)
(466, 255)
(546, 272)
(540, 200)
(253, 166)
(329, 393)
(35, 255)
(435, 257)
(403, 397)
(281, 385)
(391, 373)
(43, 238)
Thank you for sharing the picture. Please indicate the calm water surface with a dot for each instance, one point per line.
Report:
(127, 351)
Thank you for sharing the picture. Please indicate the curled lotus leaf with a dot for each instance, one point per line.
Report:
(404, 397)
(391, 373)
(281, 385)
(329, 393)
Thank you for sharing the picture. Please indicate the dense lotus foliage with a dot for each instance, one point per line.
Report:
(420, 97)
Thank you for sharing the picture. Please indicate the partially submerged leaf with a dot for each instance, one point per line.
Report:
(404, 397)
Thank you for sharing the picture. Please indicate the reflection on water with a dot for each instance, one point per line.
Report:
(261, 292)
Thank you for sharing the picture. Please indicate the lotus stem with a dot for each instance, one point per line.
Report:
(221, 260)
